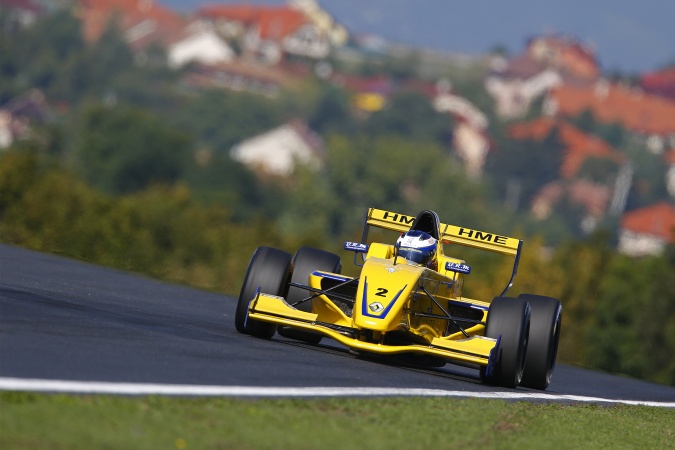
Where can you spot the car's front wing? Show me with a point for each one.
(475, 350)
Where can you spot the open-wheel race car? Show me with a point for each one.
(407, 300)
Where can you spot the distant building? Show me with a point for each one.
(21, 13)
(647, 231)
(648, 116)
(143, 22)
(470, 139)
(595, 198)
(269, 33)
(578, 146)
(199, 42)
(276, 152)
(661, 82)
(19, 114)
(574, 60)
(547, 62)
(669, 158)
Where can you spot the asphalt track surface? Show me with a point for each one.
(62, 319)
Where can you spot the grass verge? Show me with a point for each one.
(29, 421)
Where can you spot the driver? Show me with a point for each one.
(418, 247)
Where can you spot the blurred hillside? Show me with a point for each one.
(630, 37)
(175, 143)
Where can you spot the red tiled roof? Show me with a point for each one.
(274, 22)
(578, 145)
(656, 220)
(661, 82)
(569, 54)
(636, 111)
(95, 15)
(522, 66)
(593, 197)
(665, 76)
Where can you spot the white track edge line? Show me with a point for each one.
(94, 387)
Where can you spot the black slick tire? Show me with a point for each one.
(268, 270)
(306, 261)
(509, 321)
(543, 340)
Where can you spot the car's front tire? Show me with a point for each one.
(543, 340)
(509, 321)
(306, 261)
(268, 270)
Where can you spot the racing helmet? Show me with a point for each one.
(418, 247)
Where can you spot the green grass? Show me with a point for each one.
(42, 421)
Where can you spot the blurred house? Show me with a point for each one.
(661, 82)
(575, 61)
(143, 22)
(322, 20)
(278, 151)
(647, 231)
(470, 138)
(269, 34)
(21, 13)
(594, 197)
(547, 62)
(18, 116)
(645, 115)
(669, 159)
(199, 42)
(578, 146)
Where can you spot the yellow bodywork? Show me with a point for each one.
(474, 350)
(396, 296)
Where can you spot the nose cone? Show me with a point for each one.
(383, 292)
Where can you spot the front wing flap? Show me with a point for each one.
(475, 350)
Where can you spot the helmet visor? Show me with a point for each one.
(415, 255)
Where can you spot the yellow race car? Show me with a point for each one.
(407, 300)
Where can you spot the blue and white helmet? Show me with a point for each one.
(417, 246)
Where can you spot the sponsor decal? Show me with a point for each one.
(481, 236)
(400, 218)
(376, 307)
(458, 267)
(356, 247)
(381, 313)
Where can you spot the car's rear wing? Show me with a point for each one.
(449, 234)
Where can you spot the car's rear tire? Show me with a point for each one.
(268, 270)
(543, 340)
(306, 261)
(509, 320)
